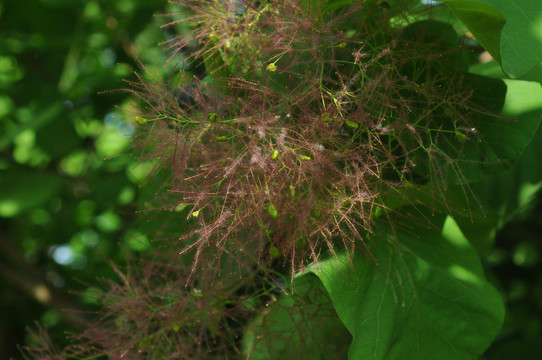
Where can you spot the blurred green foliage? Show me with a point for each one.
(67, 188)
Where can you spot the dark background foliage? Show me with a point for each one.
(64, 208)
(69, 194)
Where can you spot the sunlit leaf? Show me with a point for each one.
(498, 141)
(427, 298)
(521, 39)
(483, 20)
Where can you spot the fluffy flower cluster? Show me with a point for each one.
(313, 119)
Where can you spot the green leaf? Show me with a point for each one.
(498, 142)
(512, 192)
(272, 211)
(521, 38)
(24, 189)
(483, 20)
(426, 299)
(300, 325)
(520, 45)
(522, 111)
(472, 213)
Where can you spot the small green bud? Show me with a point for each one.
(274, 154)
(213, 37)
(377, 212)
(221, 138)
(141, 120)
(180, 207)
(274, 252)
(272, 211)
(212, 116)
(460, 136)
(351, 124)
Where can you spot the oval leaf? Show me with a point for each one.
(521, 38)
(427, 300)
(300, 325)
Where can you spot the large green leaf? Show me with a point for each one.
(522, 112)
(483, 20)
(503, 117)
(513, 191)
(499, 141)
(521, 39)
(518, 47)
(427, 297)
(472, 212)
(300, 325)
